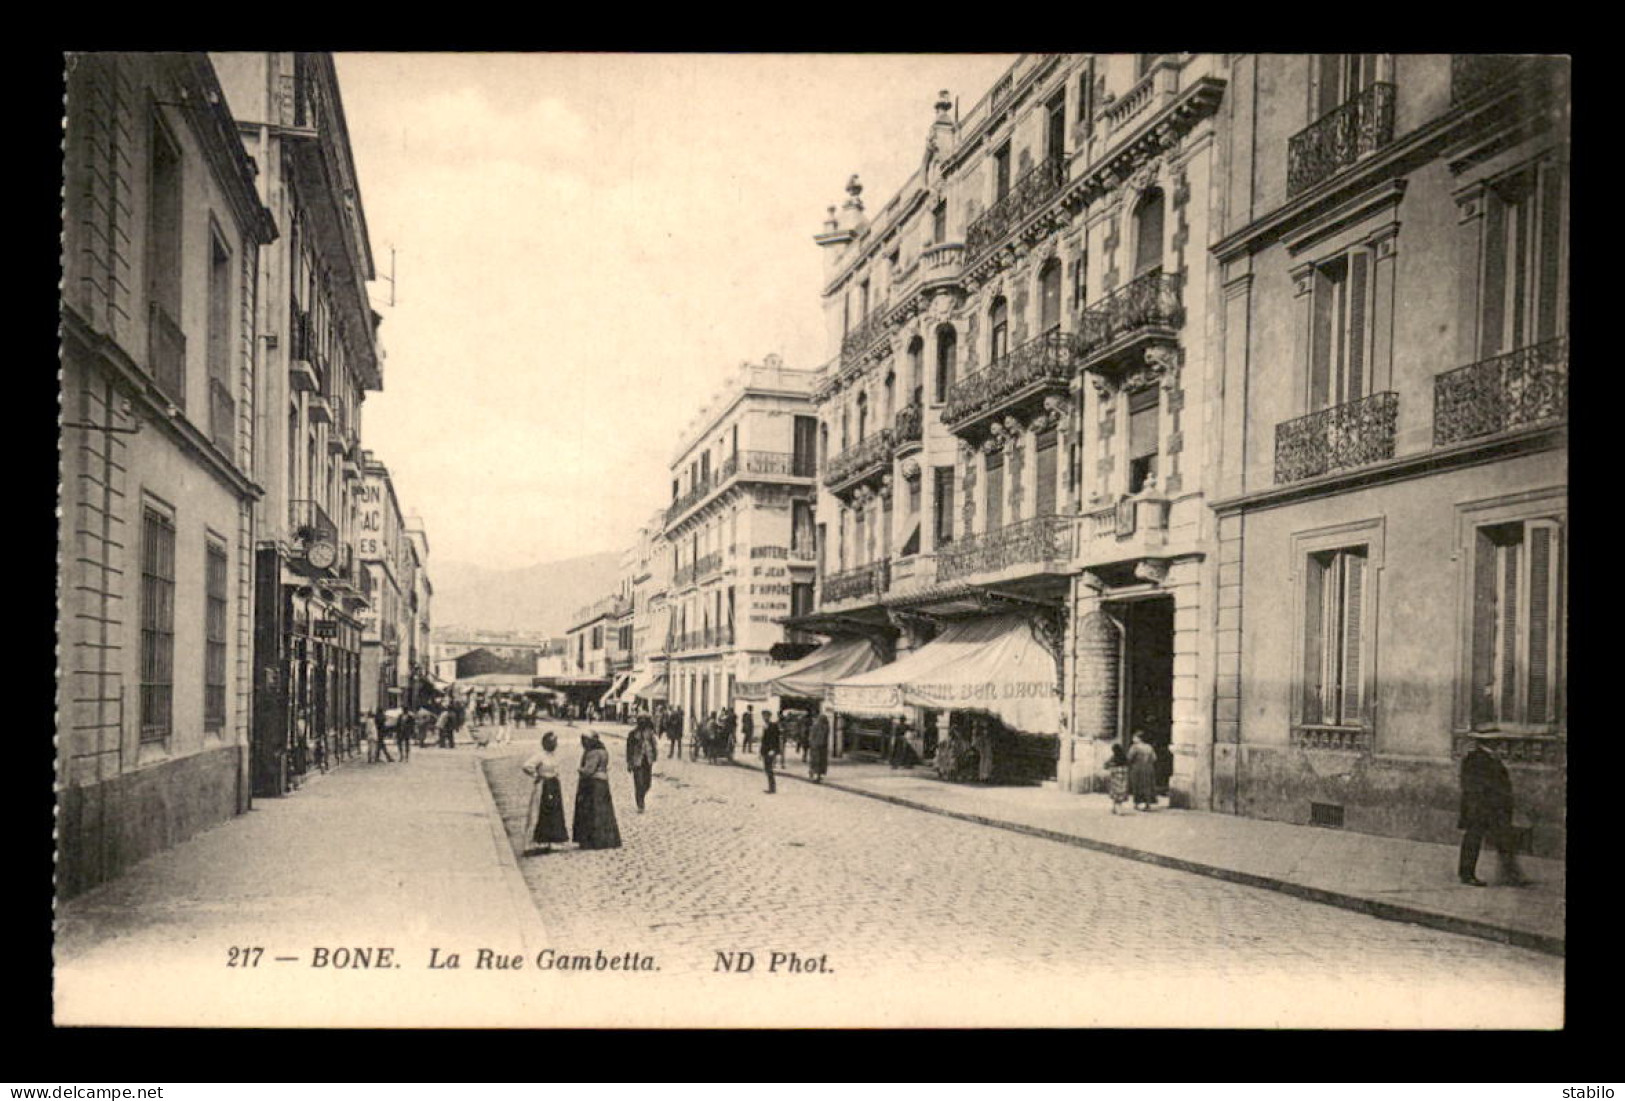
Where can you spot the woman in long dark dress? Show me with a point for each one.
(1142, 772)
(545, 824)
(594, 826)
(818, 757)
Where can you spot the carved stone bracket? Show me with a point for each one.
(911, 468)
(1154, 570)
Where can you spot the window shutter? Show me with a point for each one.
(1484, 609)
(1354, 382)
(1142, 423)
(1543, 604)
(1353, 684)
(1320, 340)
(1313, 639)
(995, 491)
(1549, 320)
(1044, 476)
(1509, 631)
(1495, 265)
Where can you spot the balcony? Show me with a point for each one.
(710, 564)
(941, 266)
(864, 459)
(1335, 141)
(1354, 434)
(308, 520)
(222, 416)
(318, 410)
(1039, 367)
(1042, 544)
(302, 374)
(689, 499)
(1142, 309)
(749, 464)
(862, 338)
(1031, 193)
(710, 638)
(1522, 389)
(865, 582)
(909, 425)
(166, 355)
(1132, 528)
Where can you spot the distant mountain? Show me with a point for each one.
(540, 598)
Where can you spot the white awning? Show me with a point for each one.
(993, 664)
(812, 675)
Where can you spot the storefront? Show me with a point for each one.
(803, 685)
(985, 691)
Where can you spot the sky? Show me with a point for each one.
(585, 247)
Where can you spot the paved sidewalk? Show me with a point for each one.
(409, 857)
(1386, 877)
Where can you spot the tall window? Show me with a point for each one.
(939, 222)
(1148, 233)
(860, 538)
(166, 341)
(947, 360)
(1001, 172)
(1142, 439)
(157, 625)
(863, 417)
(942, 506)
(1049, 297)
(911, 545)
(1080, 281)
(995, 490)
(998, 326)
(1517, 617)
(801, 528)
(804, 456)
(863, 300)
(1524, 287)
(1055, 127)
(1143, 64)
(214, 638)
(1340, 340)
(889, 411)
(1341, 77)
(1335, 614)
(219, 343)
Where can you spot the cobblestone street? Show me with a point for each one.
(894, 899)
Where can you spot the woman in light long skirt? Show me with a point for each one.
(544, 825)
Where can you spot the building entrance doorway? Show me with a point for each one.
(1148, 676)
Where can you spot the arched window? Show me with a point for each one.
(846, 429)
(1148, 233)
(889, 409)
(947, 359)
(863, 417)
(1049, 296)
(998, 330)
(916, 370)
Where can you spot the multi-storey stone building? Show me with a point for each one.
(1016, 452)
(321, 351)
(739, 532)
(1392, 475)
(380, 547)
(651, 575)
(162, 390)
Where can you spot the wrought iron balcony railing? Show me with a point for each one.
(702, 487)
(708, 565)
(782, 464)
(908, 427)
(1030, 194)
(1151, 301)
(860, 460)
(166, 354)
(307, 520)
(1339, 138)
(1520, 389)
(871, 580)
(1045, 542)
(222, 416)
(1342, 437)
(1052, 358)
(862, 338)
(705, 639)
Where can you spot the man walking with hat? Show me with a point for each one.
(1486, 811)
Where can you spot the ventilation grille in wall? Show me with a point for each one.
(1329, 815)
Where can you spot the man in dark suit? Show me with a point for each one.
(747, 727)
(1486, 811)
(642, 750)
(772, 744)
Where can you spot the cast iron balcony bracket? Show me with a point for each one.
(1520, 389)
(1047, 363)
(1342, 136)
(1342, 437)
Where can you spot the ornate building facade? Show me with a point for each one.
(1012, 420)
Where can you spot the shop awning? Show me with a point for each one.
(495, 680)
(812, 675)
(992, 663)
(654, 690)
(615, 690)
